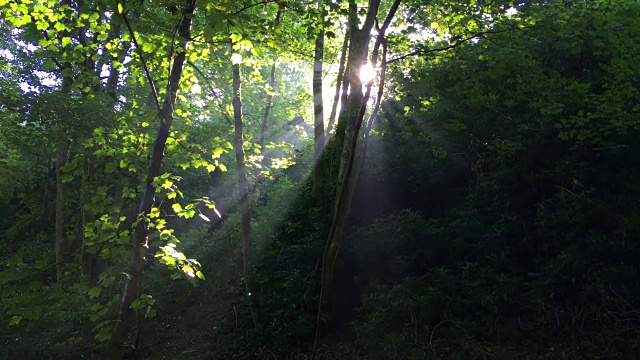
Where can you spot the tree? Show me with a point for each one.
(243, 188)
(133, 286)
(351, 120)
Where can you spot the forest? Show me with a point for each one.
(294, 179)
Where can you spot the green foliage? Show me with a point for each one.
(522, 263)
(501, 171)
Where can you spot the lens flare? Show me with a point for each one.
(367, 73)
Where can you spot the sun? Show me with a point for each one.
(367, 73)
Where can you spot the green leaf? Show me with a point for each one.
(59, 26)
(15, 320)
(235, 37)
(66, 178)
(176, 207)
(136, 304)
(95, 291)
(148, 47)
(49, 64)
(167, 184)
(217, 152)
(67, 72)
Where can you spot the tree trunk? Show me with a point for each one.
(62, 148)
(269, 92)
(243, 187)
(343, 196)
(62, 245)
(134, 281)
(318, 111)
(352, 118)
(45, 191)
(340, 84)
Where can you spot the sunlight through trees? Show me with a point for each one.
(361, 179)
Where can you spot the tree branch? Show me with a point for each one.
(454, 45)
(173, 44)
(211, 89)
(144, 62)
(247, 7)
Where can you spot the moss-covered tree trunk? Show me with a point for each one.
(351, 118)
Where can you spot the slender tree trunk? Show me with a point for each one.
(318, 110)
(62, 245)
(243, 187)
(340, 84)
(267, 108)
(87, 260)
(367, 132)
(62, 148)
(134, 281)
(45, 191)
(269, 92)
